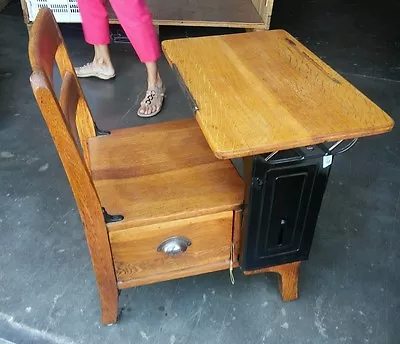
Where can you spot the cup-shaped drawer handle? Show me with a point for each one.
(174, 245)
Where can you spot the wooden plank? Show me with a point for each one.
(217, 13)
(135, 250)
(264, 9)
(264, 91)
(161, 172)
(189, 272)
(267, 14)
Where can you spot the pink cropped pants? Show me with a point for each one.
(134, 17)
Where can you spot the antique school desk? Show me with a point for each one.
(157, 203)
(264, 97)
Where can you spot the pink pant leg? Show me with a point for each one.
(94, 21)
(136, 20)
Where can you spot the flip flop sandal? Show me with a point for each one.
(154, 96)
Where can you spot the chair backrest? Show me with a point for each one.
(70, 124)
(47, 47)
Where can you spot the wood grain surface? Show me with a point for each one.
(187, 272)
(135, 250)
(46, 46)
(288, 279)
(161, 172)
(264, 91)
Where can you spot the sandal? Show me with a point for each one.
(154, 97)
(93, 69)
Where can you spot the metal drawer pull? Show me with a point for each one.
(175, 245)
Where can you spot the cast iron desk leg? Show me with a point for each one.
(283, 196)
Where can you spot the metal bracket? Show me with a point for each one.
(111, 218)
(270, 155)
(322, 146)
(100, 132)
(344, 149)
(185, 89)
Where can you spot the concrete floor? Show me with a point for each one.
(349, 289)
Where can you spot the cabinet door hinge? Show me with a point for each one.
(111, 218)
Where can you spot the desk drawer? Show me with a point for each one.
(137, 252)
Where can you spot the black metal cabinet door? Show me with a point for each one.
(282, 208)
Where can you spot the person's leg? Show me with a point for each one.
(153, 76)
(96, 31)
(136, 20)
(154, 97)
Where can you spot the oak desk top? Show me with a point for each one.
(264, 91)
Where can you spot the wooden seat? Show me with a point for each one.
(161, 172)
(179, 206)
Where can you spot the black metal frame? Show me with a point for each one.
(283, 197)
(108, 218)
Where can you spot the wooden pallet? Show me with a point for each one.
(254, 14)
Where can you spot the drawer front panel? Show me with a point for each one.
(137, 252)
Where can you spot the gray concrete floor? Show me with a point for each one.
(349, 289)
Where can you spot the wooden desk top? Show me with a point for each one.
(264, 91)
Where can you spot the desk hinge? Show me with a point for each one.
(100, 132)
(111, 218)
(331, 150)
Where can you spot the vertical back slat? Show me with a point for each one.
(44, 41)
(69, 98)
(46, 46)
(74, 107)
(84, 118)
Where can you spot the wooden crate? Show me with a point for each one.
(248, 14)
(264, 9)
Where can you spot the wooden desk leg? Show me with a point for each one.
(288, 279)
(109, 306)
